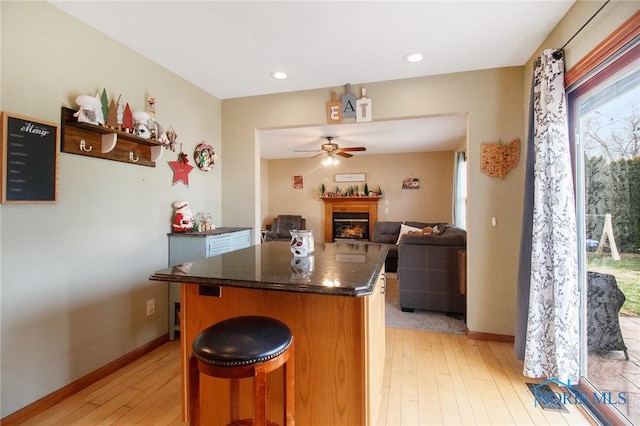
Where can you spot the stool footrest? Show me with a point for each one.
(249, 422)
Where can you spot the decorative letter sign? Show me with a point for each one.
(348, 103)
(334, 110)
(363, 108)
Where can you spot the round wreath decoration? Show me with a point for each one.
(204, 156)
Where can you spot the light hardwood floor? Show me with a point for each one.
(429, 379)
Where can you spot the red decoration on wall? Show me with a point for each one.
(181, 169)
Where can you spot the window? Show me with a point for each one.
(604, 118)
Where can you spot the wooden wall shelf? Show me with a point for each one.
(110, 144)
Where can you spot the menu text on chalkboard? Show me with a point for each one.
(29, 160)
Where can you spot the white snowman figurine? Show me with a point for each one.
(141, 124)
(89, 111)
(183, 219)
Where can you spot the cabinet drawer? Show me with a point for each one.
(217, 245)
(239, 240)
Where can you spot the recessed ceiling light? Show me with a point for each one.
(413, 57)
(279, 75)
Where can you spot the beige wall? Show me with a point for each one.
(74, 276)
(430, 203)
(493, 100)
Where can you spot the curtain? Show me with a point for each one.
(524, 267)
(552, 343)
(460, 190)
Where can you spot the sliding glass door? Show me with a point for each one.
(604, 111)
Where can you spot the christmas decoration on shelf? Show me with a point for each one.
(127, 119)
(105, 103)
(350, 191)
(183, 220)
(100, 111)
(181, 169)
(112, 115)
(204, 156)
(171, 138)
(89, 111)
(141, 124)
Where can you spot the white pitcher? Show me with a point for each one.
(302, 242)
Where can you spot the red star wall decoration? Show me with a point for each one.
(181, 169)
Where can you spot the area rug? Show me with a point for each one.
(418, 320)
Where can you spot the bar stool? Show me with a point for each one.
(246, 346)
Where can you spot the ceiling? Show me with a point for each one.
(434, 133)
(230, 48)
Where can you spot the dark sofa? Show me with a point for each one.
(387, 232)
(432, 271)
(281, 225)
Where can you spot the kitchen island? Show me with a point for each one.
(333, 302)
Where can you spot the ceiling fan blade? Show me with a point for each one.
(307, 150)
(344, 154)
(317, 155)
(356, 148)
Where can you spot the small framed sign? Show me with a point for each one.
(350, 177)
(298, 182)
(28, 160)
(411, 183)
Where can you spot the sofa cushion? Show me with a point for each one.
(421, 225)
(404, 230)
(386, 232)
(435, 240)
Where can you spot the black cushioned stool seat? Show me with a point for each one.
(247, 346)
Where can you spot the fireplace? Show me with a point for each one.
(356, 217)
(352, 226)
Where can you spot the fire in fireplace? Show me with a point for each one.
(354, 226)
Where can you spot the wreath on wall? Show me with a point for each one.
(204, 156)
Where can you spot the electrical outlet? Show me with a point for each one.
(151, 307)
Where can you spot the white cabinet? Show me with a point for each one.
(193, 246)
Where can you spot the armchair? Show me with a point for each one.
(281, 226)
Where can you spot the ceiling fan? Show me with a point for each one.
(331, 149)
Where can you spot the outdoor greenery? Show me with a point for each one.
(627, 273)
(614, 188)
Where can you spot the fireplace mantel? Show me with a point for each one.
(348, 205)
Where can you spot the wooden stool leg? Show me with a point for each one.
(260, 392)
(234, 399)
(194, 392)
(290, 389)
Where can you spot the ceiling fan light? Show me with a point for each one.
(330, 161)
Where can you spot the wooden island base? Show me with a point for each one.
(339, 352)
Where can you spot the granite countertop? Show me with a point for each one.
(217, 231)
(343, 269)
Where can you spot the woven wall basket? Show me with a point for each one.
(497, 159)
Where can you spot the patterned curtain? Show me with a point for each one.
(552, 344)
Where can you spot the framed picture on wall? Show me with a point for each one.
(411, 183)
(350, 177)
(298, 182)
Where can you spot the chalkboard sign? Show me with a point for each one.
(29, 160)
